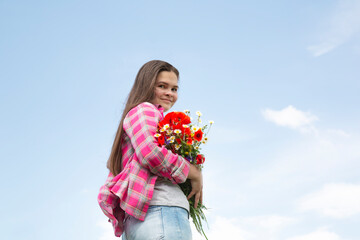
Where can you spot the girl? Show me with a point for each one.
(141, 197)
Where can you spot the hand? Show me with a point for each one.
(196, 179)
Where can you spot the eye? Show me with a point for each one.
(174, 89)
(161, 86)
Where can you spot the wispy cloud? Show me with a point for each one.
(224, 228)
(343, 24)
(337, 132)
(333, 200)
(305, 160)
(291, 117)
(320, 234)
(227, 134)
(248, 228)
(107, 232)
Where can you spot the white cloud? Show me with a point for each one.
(343, 24)
(107, 232)
(247, 228)
(334, 200)
(338, 132)
(291, 117)
(269, 224)
(314, 157)
(311, 160)
(320, 234)
(324, 47)
(226, 134)
(84, 191)
(224, 228)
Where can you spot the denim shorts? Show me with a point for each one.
(161, 222)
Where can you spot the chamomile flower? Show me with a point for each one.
(199, 113)
(172, 138)
(194, 128)
(177, 131)
(166, 126)
(185, 126)
(162, 130)
(177, 146)
(157, 135)
(211, 122)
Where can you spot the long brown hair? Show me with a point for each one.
(142, 91)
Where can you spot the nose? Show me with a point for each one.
(169, 93)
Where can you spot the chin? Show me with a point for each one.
(166, 108)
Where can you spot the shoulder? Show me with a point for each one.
(147, 109)
(144, 114)
(148, 105)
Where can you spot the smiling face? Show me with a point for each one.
(166, 90)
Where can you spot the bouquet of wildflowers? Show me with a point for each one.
(177, 133)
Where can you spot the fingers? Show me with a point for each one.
(196, 192)
(197, 197)
(190, 195)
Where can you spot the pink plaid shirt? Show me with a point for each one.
(143, 161)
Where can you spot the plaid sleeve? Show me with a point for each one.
(140, 124)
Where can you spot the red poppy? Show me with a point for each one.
(187, 131)
(198, 135)
(176, 126)
(189, 141)
(161, 140)
(176, 119)
(167, 119)
(160, 125)
(182, 118)
(200, 159)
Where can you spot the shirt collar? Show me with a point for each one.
(160, 108)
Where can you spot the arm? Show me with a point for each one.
(140, 124)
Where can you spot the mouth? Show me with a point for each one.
(167, 100)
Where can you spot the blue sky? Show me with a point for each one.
(280, 79)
